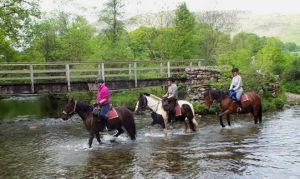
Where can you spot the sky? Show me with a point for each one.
(90, 8)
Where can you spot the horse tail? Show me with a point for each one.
(130, 125)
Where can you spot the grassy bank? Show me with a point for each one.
(126, 98)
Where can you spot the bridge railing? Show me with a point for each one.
(33, 73)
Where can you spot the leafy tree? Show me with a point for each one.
(271, 58)
(16, 17)
(248, 41)
(141, 43)
(184, 43)
(111, 15)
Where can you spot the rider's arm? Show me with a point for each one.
(172, 92)
(238, 83)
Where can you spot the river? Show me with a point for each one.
(41, 145)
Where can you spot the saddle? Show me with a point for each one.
(112, 113)
(177, 110)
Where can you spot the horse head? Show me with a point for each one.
(207, 98)
(142, 103)
(70, 109)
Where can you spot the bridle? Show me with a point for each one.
(73, 111)
(145, 106)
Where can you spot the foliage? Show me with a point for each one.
(16, 17)
(111, 15)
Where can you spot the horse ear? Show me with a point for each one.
(147, 94)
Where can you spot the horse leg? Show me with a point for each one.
(221, 121)
(228, 119)
(120, 131)
(91, 139)
(185, 126)
(98, 138)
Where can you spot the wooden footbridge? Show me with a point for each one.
(36, 78)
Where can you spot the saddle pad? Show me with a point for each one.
(244, 97)
(112, 114)
(178, 110)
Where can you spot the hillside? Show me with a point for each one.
(284, 27)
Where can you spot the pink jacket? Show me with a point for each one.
(103, 93)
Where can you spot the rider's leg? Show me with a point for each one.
(238, 102)
(103, 114)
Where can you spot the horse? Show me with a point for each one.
(94, 125)
(159, 115)
(250, 101)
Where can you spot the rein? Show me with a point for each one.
(73, 111)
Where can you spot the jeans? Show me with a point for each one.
(238, 95)
(103, 111)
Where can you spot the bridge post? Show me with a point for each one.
(169, 70)
(161, 69)
(68, 76)
(99, 69)
(135, 74)
(31, 78)
(102, 71)
(129, 71)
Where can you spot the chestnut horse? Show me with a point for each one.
(251, 103)
(94, 125)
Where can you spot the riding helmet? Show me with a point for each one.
(235, 70)
(99, 80)
(171, 79)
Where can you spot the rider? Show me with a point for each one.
(103, 100)
(171, 99)
(236, 87)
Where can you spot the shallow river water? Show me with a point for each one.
(53, 148)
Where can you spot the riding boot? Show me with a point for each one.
(239, 107)
(107, 123)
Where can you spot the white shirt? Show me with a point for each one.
(236, 84)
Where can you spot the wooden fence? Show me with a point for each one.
(33, 73)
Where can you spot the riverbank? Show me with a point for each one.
(292, 98)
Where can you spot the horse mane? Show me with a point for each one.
(219, 94)
(155, 97)
(84, 107)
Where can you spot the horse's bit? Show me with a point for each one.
(73, 111)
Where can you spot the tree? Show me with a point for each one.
(272, 58)
(16, 17)
(184, 42)
(111, 15)
(141, 42)
(217, 22)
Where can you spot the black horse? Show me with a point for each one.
(159, 115)
(94, 126)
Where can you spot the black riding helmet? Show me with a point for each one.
(171, 79)
(235, 70)
(99, 80)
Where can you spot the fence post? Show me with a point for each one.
(99, 69)
(135, 74)
(129, 70)
(68, 76)
(169, 70)
(191, 64)
(102, 71)
(199, 63)
(161, 69)
(31, 78)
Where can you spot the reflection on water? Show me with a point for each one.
(52, 148)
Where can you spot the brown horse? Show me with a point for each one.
(94, 126)
(251, 103)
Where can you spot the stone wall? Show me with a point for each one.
(198, 81)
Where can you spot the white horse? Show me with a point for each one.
(160, 116)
